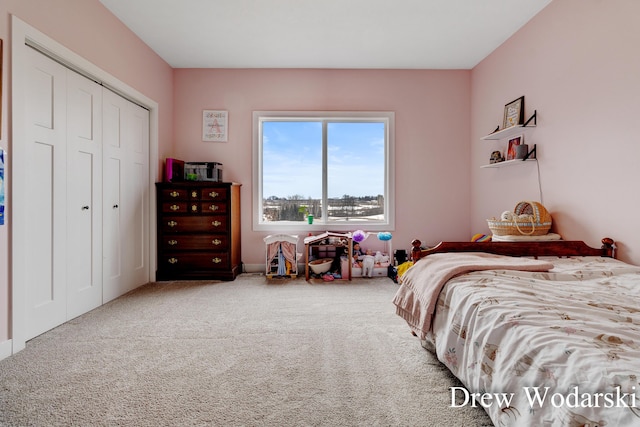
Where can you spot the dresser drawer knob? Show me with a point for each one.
(172, 223)
(216, 260)
(213, 194)
(175, 207)
(172, 260)
(216, 223)
(214, 207)
(172, 242)
(194, 208)
(174, 194)
(216, 242)
(194, 194)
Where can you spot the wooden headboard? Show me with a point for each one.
(531, 249)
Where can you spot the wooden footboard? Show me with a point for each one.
(532, 249)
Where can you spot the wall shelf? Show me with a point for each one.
(513, 130)
(507, 163)
(510, 132)
(507, 133)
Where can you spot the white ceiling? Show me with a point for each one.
(401, 34)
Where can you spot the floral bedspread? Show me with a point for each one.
(557, 348)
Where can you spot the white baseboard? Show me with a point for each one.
(262, 268)
(253, 268)
(6, 349)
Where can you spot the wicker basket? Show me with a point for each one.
(536, 223)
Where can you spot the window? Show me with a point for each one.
(334, 166)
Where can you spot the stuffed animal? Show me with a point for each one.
(381, 259)
(496, 157)
(368, 261)
(506, 216)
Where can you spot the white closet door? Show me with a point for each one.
(42, 202)
(137, 231)
(126, 168)
(84, 195)
(112, 106)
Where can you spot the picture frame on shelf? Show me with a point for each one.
(513, 113)
(511, 149)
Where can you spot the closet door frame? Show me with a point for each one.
(23, 33)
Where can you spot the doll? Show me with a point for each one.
(368, 261)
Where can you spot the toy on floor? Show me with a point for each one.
(368, 261)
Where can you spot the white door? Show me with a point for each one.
(125, 188)
(43, 197)
(137, 226)
(84, 195)
(63, 195)
(54, 247)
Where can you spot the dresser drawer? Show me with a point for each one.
(204, 193)
(214, 193)
(194, 207)
(213, 207)
(207, 193)
(174, 194)
(175, 207)
(194, 261)
(187, 242)
(195, 224)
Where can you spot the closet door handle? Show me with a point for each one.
(85, 208)
(115, 206)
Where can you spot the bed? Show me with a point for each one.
(539, 334)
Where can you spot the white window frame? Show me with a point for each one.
(388, 117)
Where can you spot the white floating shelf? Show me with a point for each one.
(507, 163)
(508, 132)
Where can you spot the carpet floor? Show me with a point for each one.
(251, 352)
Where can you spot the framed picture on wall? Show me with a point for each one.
(215, 125)
(0, 89)
(511, 149)
(513, 113)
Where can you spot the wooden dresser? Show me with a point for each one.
(198, 230)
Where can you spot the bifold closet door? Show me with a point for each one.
(84, 195)
(43, 196)
(63, 195)
(84, 203)
(126, 193)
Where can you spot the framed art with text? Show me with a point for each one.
(513, 113)
(215, 125)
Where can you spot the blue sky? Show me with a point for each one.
(292, 159)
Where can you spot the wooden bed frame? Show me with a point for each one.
(532, 249)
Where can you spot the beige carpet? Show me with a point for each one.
(241, 353)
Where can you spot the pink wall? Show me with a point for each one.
(577, 63)
(91, 31)
(432, 134)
